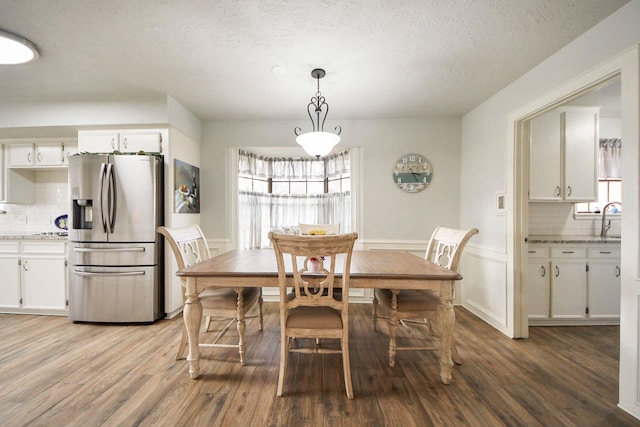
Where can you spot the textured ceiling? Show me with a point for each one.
(384, 58)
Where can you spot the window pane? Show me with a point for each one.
(582, 207)
(244, 184)
(260, 186)
(298, 187)
(280, 187)
(615, 191)
(315, 187)
(334, 186)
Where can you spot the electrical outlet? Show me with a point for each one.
(22, 219)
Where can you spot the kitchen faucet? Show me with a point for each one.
(604, 228)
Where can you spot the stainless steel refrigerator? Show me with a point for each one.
(115, 254)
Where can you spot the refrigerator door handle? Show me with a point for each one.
(136, 249)
(113, 198)
(103, 217)
(124, 273)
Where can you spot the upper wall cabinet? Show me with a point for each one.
(124, 141)
(563, 155)
(39, 153)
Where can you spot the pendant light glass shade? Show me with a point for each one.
(318, 144)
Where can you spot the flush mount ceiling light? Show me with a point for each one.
(16, 50)
(318, 143)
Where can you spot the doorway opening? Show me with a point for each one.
(602, 91)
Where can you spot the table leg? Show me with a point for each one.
(393, 327)
(447, 320)
(240, 324)
(192, 314)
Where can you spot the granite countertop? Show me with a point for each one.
(573, 239)
(34, 236)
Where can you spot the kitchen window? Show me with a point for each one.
(610, 178)
(278, 192)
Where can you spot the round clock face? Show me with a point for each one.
(412, 173)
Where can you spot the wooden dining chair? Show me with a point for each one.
(418, 306)
(189, 247)
(311, 311)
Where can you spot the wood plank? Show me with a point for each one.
(54, 372)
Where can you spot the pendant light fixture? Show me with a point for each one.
(16, 50)
(317, 143)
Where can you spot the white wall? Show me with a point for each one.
(484, 142)
(391, 217)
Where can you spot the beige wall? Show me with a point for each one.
(390, 215)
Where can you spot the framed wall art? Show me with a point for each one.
(187, 188)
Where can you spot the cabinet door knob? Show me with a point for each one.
(557, 271)
(558, 191)
(543, 270)
(617, 271)
(568, 190)
(25, 265)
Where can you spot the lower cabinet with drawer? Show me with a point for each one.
(34, 277)
(570, 284)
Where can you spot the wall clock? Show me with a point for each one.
(412, 173)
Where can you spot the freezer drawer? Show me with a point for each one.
(113, 254)
(114, 294)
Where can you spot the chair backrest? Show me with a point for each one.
(446, 245)
(319, 229)
(312, 268)
(188, 244)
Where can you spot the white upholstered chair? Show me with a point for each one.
(418, 306)
(189, 247)
(308, 264)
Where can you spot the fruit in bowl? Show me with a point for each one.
(317, 232)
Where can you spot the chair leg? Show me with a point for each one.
(393, 328)
(374, 314)
(183, 344)
(454, 351)
(240, 325)
(260, 318)
(346, 368)
(207, 324)
(284, 354)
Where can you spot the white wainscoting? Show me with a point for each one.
(484, 288)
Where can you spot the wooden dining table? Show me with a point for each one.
(390, 269)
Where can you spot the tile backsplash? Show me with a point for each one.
(557, 219)
(51, 201)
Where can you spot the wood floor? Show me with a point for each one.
(56, 373)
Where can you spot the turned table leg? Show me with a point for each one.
(192, 315)
(447, 318)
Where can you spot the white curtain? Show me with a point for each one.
(609, 162)
(261, 212)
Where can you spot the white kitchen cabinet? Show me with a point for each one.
(69, 149)
(124, 141)
(10, 283)
(562, 157)
(568, 289)
(39, 285)
(570, 284)
(603, 281)
(21, 154)
(45, 152)
(16, 185)
(538, 283)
